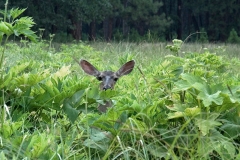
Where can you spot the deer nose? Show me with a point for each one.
(106, 87)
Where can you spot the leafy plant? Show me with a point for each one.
(170, 107)
(15, 26)
(175, 47)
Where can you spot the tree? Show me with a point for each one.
(233, 37)
(114, 13)
(95, 12)
(222, 18)
(165, 18)
(145, 15)
(179, 14)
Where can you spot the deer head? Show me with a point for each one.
(108, 78)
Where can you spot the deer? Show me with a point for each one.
(108, 78)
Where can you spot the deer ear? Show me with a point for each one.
(89, 68)
(126, 68)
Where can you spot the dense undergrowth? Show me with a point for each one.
(176, 104)
(171, 107)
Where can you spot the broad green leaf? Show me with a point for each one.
(6, 80)
(24, 21)
(205, 125)
(231, 130)
(202, 87)
(215, 141)
(16, 12)
(77, 96)
(188, 81)
(178, 71)
(69, 109)
(231, 124)
(225, 149)
(191, 79)
(177, 107)
(191, 112)
(32, 37)
(181, 85)
(209, 98)
(93, 93)
(106, 95)
(6, 28)
(175, 115)
(228, 103)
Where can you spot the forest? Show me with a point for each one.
(133, 20)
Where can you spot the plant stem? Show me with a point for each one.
(2, 57)
(4, 45)
(5, 14)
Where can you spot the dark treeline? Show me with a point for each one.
(133, 20)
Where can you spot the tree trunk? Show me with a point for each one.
(125, 28)
(140, 28)
(92, 31)
(105, 29)
(179, 14)
(77, 30)
(110, 28)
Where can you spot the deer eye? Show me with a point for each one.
(115, 79)
(99, 78)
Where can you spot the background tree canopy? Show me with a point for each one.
(132, 20)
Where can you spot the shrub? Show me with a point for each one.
(233, 37)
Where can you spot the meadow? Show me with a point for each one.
(180, 102)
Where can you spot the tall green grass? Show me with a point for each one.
(159, 112)
(154, 50)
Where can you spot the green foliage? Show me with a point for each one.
(143, 14)
(170, 107)
(134, 36)
(21, 26)
(233, 37)
(175, 47)
(71, 19)
(203, 36)
(14, 26)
